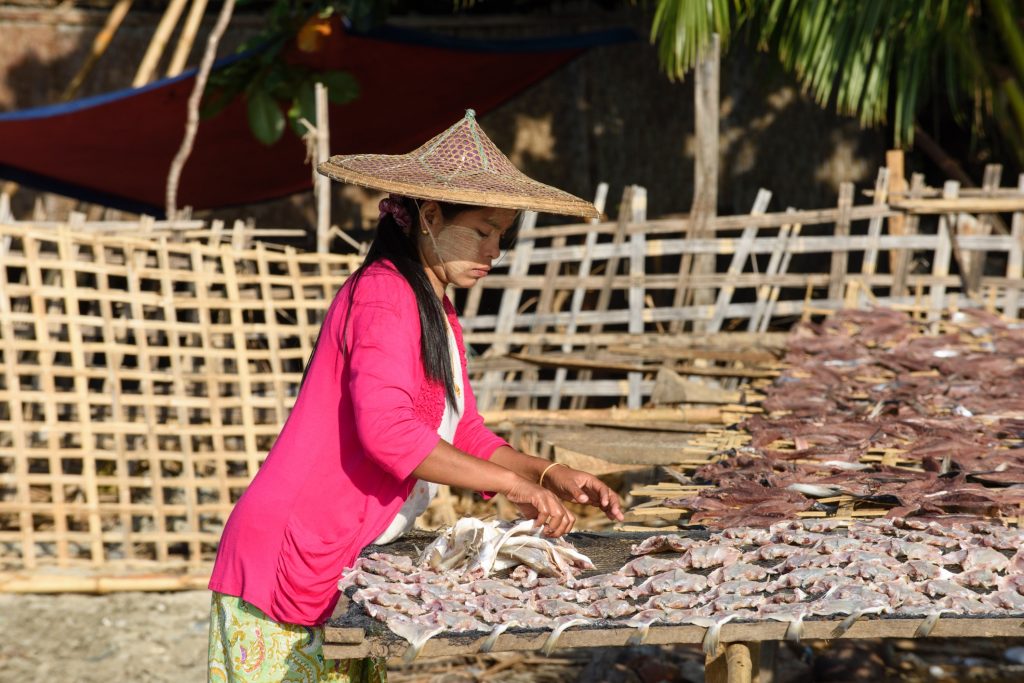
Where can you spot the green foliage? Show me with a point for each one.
(268, 83)
(883, 61)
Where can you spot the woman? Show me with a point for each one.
(384, 413)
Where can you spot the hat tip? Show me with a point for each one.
(470, 113)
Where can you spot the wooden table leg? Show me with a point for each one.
(739, 664)
(731, 664)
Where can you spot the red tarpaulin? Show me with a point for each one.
(116, 149)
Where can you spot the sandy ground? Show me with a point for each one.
(161, 638)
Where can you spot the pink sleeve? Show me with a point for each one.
(384, 355)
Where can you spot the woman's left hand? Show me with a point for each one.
(581, 487)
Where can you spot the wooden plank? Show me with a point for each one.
(814, 629)
(738, 263)
(960, 205)
(874, 233)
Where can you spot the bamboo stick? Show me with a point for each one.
(150, 60)
(187, 38)
(99, 46)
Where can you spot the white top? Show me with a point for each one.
(424, 491)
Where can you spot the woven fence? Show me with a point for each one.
(142, 382)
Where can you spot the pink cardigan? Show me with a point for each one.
(341, 467)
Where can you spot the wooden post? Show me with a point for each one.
(733, 663)
(638, 248)
(897, 224)
(943, 254)
(188, 37)
(1015, 261)
(840, 257)
(99, 45)
(323, 183)
(147, 67)
(705, 183)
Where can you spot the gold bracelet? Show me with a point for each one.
(540, 482)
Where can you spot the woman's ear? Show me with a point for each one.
(429, 214)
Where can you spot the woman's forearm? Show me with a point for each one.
(526, 466)
(446, 464)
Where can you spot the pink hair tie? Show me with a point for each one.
(395, 207)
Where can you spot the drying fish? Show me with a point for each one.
(649, 566)
(586, 595)
(609, 608)
(793, 614)
(854, 608)
(740, 570)
(675, 581)
(921, 570)
(663, 543)
(710, 556)
(978, 558)
(417, 632)
(673, 601)
(556, 608)
(774, 551)
(746, 535)
(559, 627)
(713, 624)
(555, 592)
(488, 586)
(1006, 600)
(614, 580)
(642, 622)
(739, 587)
(977, 578)
(514, 618)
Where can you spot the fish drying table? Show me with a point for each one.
(354, 634)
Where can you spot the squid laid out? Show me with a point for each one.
(472, 546)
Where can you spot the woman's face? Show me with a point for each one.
(460, 250)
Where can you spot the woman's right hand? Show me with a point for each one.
(540, 505)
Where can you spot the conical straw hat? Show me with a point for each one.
(460, 165)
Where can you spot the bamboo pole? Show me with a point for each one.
(188, 37)
(99, 46)
(323, 183)
(150, 60)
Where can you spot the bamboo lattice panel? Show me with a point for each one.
(568, 293)
(142, 383)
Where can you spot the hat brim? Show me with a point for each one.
(521, 193)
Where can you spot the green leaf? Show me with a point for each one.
(265, 118)
(341, 86)
(303, 107)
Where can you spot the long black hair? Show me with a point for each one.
(398, 245)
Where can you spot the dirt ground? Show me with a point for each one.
(161, 638)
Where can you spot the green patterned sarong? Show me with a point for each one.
(246, 646)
